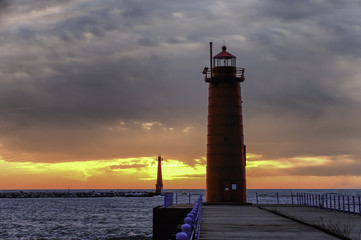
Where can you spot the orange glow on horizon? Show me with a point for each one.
(128, 173)
(140, 173)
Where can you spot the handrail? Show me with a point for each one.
(327, 201)
(192, 223)
(332, 202)
(239, 73)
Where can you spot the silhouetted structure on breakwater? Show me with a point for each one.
(159, 184)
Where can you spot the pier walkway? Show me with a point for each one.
(258, 222)
(344, 224)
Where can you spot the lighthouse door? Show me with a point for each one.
(226, 191)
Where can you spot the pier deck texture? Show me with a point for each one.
(250, 222)
(345, 224)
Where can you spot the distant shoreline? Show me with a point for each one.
(77, 194)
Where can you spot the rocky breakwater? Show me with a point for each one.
(73, 194)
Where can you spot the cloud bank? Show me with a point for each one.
(86, 80)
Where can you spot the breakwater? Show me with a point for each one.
(77, 194)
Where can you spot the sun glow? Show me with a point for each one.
(116, 173)
(141, 173)
(255, 161)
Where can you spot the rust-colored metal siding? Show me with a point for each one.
(226, 180)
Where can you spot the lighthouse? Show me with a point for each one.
(159, 184)
(226, 151)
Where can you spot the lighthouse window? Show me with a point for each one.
(224, 62)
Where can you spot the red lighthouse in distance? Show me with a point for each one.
(159, 184)
(226, 152)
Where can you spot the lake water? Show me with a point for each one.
(103, 218)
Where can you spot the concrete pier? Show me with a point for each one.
(333, 221)
(251, 222)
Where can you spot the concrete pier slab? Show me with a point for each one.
(344, 224)
(250, 222)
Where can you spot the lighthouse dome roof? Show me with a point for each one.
(224, 54)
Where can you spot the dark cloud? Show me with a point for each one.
(295, 11)
(79, 78)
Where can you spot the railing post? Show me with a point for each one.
(359, 206)
(326, 201)
(299, 198)
(256, 198)
(189, 197)
(292, 198)
(313, 200)
(278, 202)
(318, 200)
(339, 203)
(309, 199)
(343, 203)
(304, 198)
(348, 204)
(321, 201)
(176, 198)
(168, 199)
(354, 206)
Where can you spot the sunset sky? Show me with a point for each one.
(91, 91)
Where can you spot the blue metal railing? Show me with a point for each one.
(168, 199)
(192, 223)
(332, 202)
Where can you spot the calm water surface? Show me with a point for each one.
(81, 218)
(77, 218)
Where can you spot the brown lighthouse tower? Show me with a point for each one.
(226, 152)
(159, 184)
